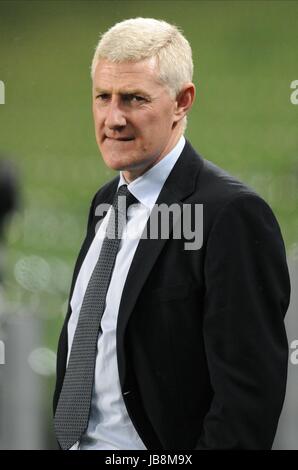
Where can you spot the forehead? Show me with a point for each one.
(127, 75)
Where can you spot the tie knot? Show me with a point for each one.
(123, 190)
(124, 198)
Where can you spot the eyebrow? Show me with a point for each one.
(132, 91)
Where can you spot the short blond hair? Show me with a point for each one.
(137, 39)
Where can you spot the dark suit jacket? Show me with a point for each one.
(201, 345)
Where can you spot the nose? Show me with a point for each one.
(115, 117)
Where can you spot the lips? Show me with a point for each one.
(121, 139)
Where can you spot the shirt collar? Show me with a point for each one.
(146, 188)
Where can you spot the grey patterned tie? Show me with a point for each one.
(72, 413)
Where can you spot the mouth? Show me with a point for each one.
(120, 139)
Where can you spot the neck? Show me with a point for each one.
(132, 174)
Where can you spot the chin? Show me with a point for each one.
(116, 160)
(113, 163)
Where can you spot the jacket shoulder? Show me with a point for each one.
(216, 187)
(104, 194)
(218, 184)
(218, 190)
(106, 191)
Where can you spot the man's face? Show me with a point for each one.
(133, 114)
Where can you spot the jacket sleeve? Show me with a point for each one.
(247, 296)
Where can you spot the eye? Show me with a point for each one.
(133, 98)
(103, 96)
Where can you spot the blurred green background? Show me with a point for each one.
(245, 57)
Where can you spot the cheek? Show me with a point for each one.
(152, 129)
(94, 110)
(161, 120)
(150, 125)
(97, 116)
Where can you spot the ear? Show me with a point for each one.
(184, 100)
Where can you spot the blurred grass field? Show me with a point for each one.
(245, 56)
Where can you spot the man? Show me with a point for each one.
(166, 345)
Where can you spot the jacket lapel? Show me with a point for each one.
(179, 185)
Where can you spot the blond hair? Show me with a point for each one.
(137, 39)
